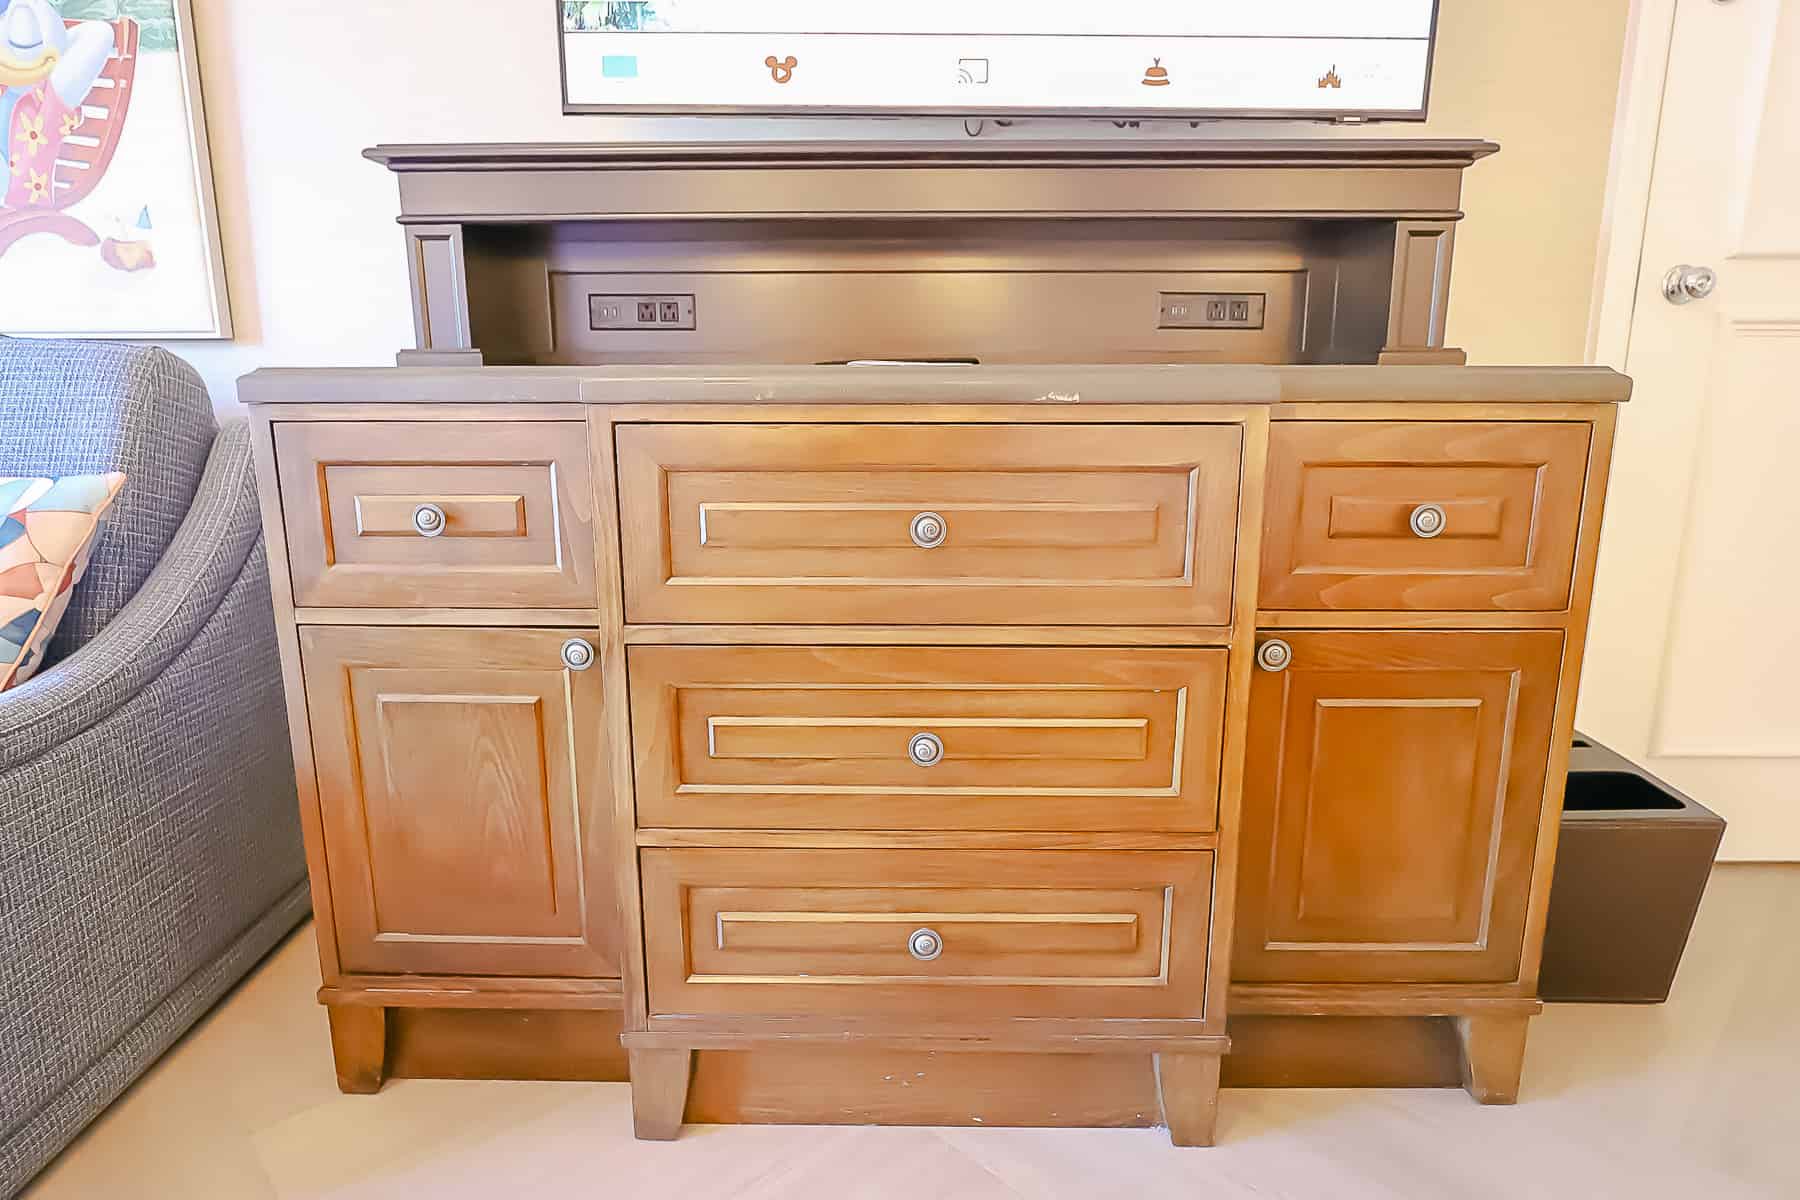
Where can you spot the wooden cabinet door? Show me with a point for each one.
(463, 793)
(1393, 790)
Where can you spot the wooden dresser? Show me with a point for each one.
(1011, 740)
(893, 738)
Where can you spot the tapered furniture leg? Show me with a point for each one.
(1493, 1056)
(659, 1088)
(1189, 1087)
(359, 1046)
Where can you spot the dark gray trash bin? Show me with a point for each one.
(1631, 866)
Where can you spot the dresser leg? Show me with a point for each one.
(359, 1046)
(1493, 1056)
(1189, 1087)
(659, 1088)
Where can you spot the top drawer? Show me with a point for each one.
(438, 514)
(929, 524)
(1451, 516)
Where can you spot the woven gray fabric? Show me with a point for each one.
(149, 829)
(205, 557)
(133, 856)
(70, 408)
(33, 1144)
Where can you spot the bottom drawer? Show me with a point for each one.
(932, 935)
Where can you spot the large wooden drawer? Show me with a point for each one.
(1498, 511)
(438, 514)
(901, 737)
(929, 524)
(1049, 933)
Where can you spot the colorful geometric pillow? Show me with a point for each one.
(47, 530)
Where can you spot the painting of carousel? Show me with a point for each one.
(107, 223)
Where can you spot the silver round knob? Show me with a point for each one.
(577, 655)
(1684, 284)
(925, 749)
(924, 944)
(428, 520)
(1274, 655)
(929, 530)
(1428, 520)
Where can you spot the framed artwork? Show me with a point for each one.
(107, 221)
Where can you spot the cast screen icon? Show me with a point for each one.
(971, 70)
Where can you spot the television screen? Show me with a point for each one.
(1113, 58)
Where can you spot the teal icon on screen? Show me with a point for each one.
(618, 66)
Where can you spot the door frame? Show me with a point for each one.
(1625, 208)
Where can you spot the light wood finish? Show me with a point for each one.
(1341, 494)
(1383, 999)
(616, 719)
(1396, 784)
(827, 931)
(517, 504)
(927, 635)
(293, 691)
(1077, 393)
(359, 1046)
(462, 801)
(1052, 1035)
(1492, 1056)
(1188, 1087)
(1030, 739)
(577, 619)
(1335, 1051)
(472, 992)
(1562, 732)
(659, 1091)
(923, 839)
(516, 1043)
(1044, 525)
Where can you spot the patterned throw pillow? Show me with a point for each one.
(47, 530)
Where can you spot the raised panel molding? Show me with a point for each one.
(1726, 689)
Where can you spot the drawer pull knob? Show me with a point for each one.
(1274, 655)
(925, 749)
(929, 530)
(428, 520)
(1428, 520)
(925, 944)
(577, 654)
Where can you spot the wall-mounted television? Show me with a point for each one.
(1124, 59)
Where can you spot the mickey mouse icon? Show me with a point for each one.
(782, 69)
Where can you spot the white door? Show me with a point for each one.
(1693, 661)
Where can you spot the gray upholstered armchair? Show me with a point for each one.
(149, 835)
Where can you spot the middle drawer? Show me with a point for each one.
(1040, 739)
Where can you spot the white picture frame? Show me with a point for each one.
(133, 252)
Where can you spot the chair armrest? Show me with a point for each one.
(203, 560)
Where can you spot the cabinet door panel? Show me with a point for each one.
(1394, 787)
(460, 778)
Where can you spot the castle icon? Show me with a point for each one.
(1331, 78)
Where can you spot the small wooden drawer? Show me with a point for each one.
(929, 524)
(975, 738)
(1452, 516)
(421, 514)
(940, 935)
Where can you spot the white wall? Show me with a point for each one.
(295, 90)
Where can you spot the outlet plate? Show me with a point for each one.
(641, 312)
(1212, 310)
